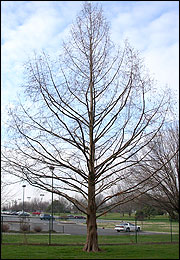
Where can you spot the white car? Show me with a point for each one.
(23, 214)
(127, 227)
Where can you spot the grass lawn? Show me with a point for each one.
(146, 225)
(133, 251)
(126, 217)
(75, 252)
(69, 251)
(66, 239)
(159, 223)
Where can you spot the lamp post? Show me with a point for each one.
(12, 204)
(51, 169)
(29, 203)
(19, 204)
(41, 195)
(23, 197)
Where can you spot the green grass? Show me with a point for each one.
(108, 252)
(118, 216)
(66, 239)
(159, 226)
(132, 251)
(147, 226)
(158, 223)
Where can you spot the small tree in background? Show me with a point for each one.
(163, 157)
(146, 212)
(59, 206)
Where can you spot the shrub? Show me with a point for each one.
(5, 228)
(37, 229)
(24, 227)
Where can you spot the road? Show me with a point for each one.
(71, 227)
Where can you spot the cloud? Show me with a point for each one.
(29, 26)
(35, 32)
(152, 28)
(163, 63)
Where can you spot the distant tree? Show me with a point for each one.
(164, 155)
(140, 215)
(149, 211)
(59, 206)
(7, 193)
(37, 205)
(129, 204)
(87, 114)
(146, 212)
(32, 206)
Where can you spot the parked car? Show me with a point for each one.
(6, 212)
(46, 217)
(24, 214)
(63, 217)
(36, 213)
(80, 217)
(127, 227)
(70, 216)
(14, 213)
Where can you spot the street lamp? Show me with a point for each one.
(12, 204)
(19, 204)
(29, 203)
(23, 197)
(51, 169)
(41, 195)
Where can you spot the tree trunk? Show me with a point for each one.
(92, 236)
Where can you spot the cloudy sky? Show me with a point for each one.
(152, 27)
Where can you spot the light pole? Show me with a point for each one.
(29, 203)
(52, 169)
(19, 204)
(41, 195)
(12, 204)
(23, 197)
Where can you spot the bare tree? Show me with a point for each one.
(87, 113)
(129, 204)
(7, 192)
(5, 197)
(164, 155)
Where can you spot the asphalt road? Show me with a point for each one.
(74, 227)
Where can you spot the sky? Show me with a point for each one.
(152, 27)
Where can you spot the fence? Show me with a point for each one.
(156, 227)
(29, 225)
(162, 230)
